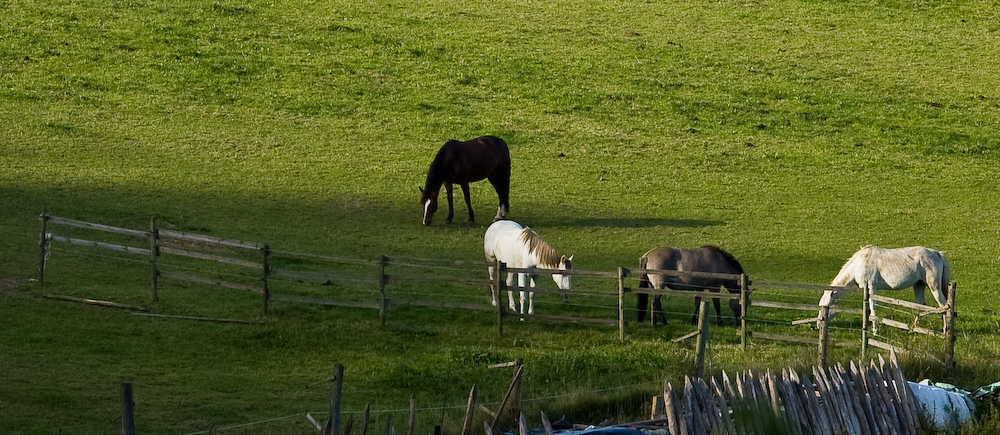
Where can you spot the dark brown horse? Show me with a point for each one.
(465, 162)
(709, 259)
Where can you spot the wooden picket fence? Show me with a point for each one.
(859, 400)
(268, 266)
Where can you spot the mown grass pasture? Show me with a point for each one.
(788, 132)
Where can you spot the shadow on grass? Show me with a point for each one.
(635, 223)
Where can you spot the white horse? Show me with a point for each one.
(875, 268)
(520, 247)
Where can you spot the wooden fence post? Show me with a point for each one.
(866, 320)
(383, 307)
(513, 394)
(154, 254)
(949, 325)
(333, 421)
(621, 303)
(389, 429)
(498, 287)
(702, 338)
(265, 251)
(42, 245)
(364, 420)
(412, 422)
(744, 306)
(470, 409)
(824, 333)
(128, 410)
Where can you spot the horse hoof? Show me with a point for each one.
(470, 223)
(448, 221)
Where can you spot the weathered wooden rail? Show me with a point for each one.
(380, 273)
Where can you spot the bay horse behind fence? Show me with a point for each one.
(465, 162)
(520, 247)
(873, 268)
(707, 259)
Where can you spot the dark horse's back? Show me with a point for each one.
(706, 259)
(472, 160)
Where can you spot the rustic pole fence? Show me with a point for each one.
(744, 306)
(702, 338)
(949, 325)
(411, 423)
(470, 410)
(622, 272)
(511, 402)
(128, 410)
(383, 307)
(333, 421)
(154, 254)
(865, 320)
(156, 248)
(824, 334)
(499, 268)
(42, 246)
(265, 271)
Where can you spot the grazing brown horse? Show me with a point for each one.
(709, 259)
(465, 162)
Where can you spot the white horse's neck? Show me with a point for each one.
(546, 257)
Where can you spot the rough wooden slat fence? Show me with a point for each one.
(381, 274)
(858, 400)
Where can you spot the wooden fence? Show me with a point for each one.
(268, 266)
(858, 400)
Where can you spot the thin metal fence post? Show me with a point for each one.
(498, 287)
(42, 245)
(949, 325)
(265, 252)
(382, 301)
(866, 320)
(154, 254)
(744, 307)
(621, 303)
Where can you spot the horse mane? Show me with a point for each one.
(546, 255)
(433, 182)
(729, 257)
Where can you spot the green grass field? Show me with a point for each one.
(790, 133)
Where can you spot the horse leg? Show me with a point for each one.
(640, 307)
(531, 299)
(493, 291)
(919, 294)
(500, 179)
(468, 202)
(697, 305)
(657, 312)
(734, 305)
(871, 308)
(510, 293)
(451, 209)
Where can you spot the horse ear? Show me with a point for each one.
(421, 189)
(570, 258)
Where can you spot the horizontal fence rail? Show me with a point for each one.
(272, 273)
